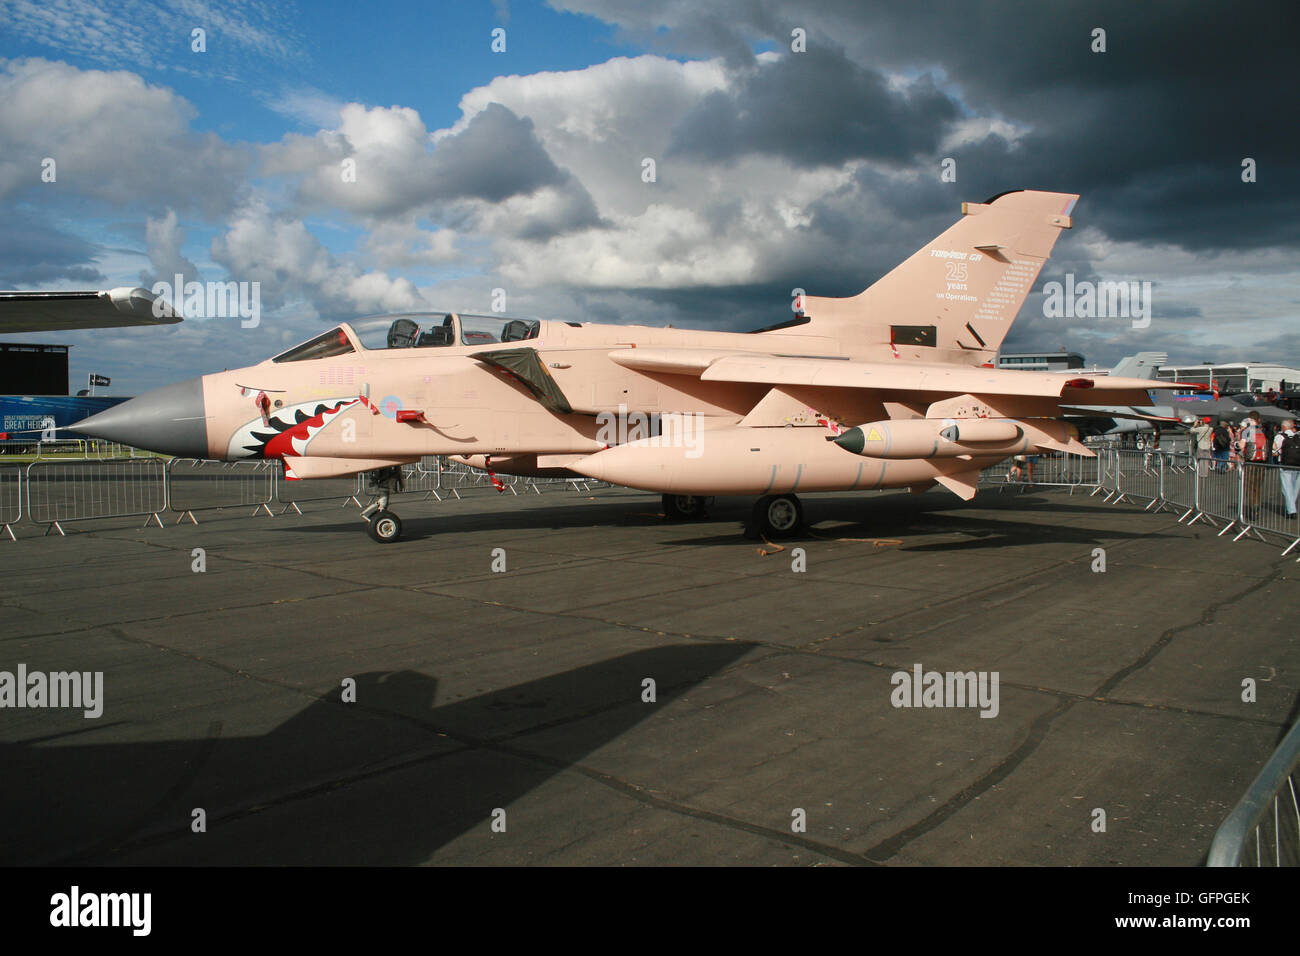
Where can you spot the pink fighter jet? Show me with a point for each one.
(891, 388)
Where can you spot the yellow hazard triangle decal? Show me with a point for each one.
(874, 435)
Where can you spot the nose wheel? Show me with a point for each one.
(384, 526)
(777, 516)
(381, 524)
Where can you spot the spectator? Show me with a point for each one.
(1286, 446)
(1254, 453)
(1222, 445)
(1203, 436)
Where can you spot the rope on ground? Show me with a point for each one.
(878, 542)
(778, 548)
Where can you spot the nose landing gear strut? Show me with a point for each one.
(381, 524)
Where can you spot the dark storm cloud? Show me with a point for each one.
(32, 253)
(495, 157)
(1151, 133)
(498, 156)
(817, 111)
(573, 210)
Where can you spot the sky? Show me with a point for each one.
(521, 169)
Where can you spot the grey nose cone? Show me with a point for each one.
(168, 420)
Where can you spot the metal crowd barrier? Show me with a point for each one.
(1049, 469)
(52, 493)
(195, 485)
(456, 476)
(1264, 827)
(292, 493)
(438, 477)
(1248, 498)
(68, 448)
(11, 500)
(1137, 475)
(59, 492)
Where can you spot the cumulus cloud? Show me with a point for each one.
(290, 262)
(112, 137)
(1153, 130)
(774, 169)
(382, 163)
(163, 239)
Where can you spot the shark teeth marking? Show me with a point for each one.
(296, 421)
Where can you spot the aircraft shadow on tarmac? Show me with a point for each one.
(881, 516)
(904, 517)
(451, 519)
(384, 781)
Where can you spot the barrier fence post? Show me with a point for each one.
(11, 500)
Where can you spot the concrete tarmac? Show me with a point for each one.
(311, 697)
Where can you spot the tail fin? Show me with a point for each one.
(955, 299)
(1142, 365)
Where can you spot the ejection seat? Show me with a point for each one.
(402, 333)
(436, 337)
(516, 331)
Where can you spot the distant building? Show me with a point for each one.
(1041, 361)
(30, 369)
(1234, 377)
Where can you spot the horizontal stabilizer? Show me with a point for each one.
(1141, 413)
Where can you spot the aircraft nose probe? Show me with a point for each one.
(170, 420)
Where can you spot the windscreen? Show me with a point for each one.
(331, 343)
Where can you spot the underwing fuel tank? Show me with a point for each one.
(952, 438)
(760, 461)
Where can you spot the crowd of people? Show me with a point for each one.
(1223, 447)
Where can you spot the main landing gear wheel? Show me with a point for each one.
(686, 507)
(777, 516)
(384, 527)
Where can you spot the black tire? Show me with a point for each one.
(384, 527)
(777, 516)
(685, 507)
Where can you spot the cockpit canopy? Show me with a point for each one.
(415, 330)
(423, 330)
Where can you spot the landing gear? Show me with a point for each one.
(381, 524)
(384, 526)
(686, 507)
(777, 516)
